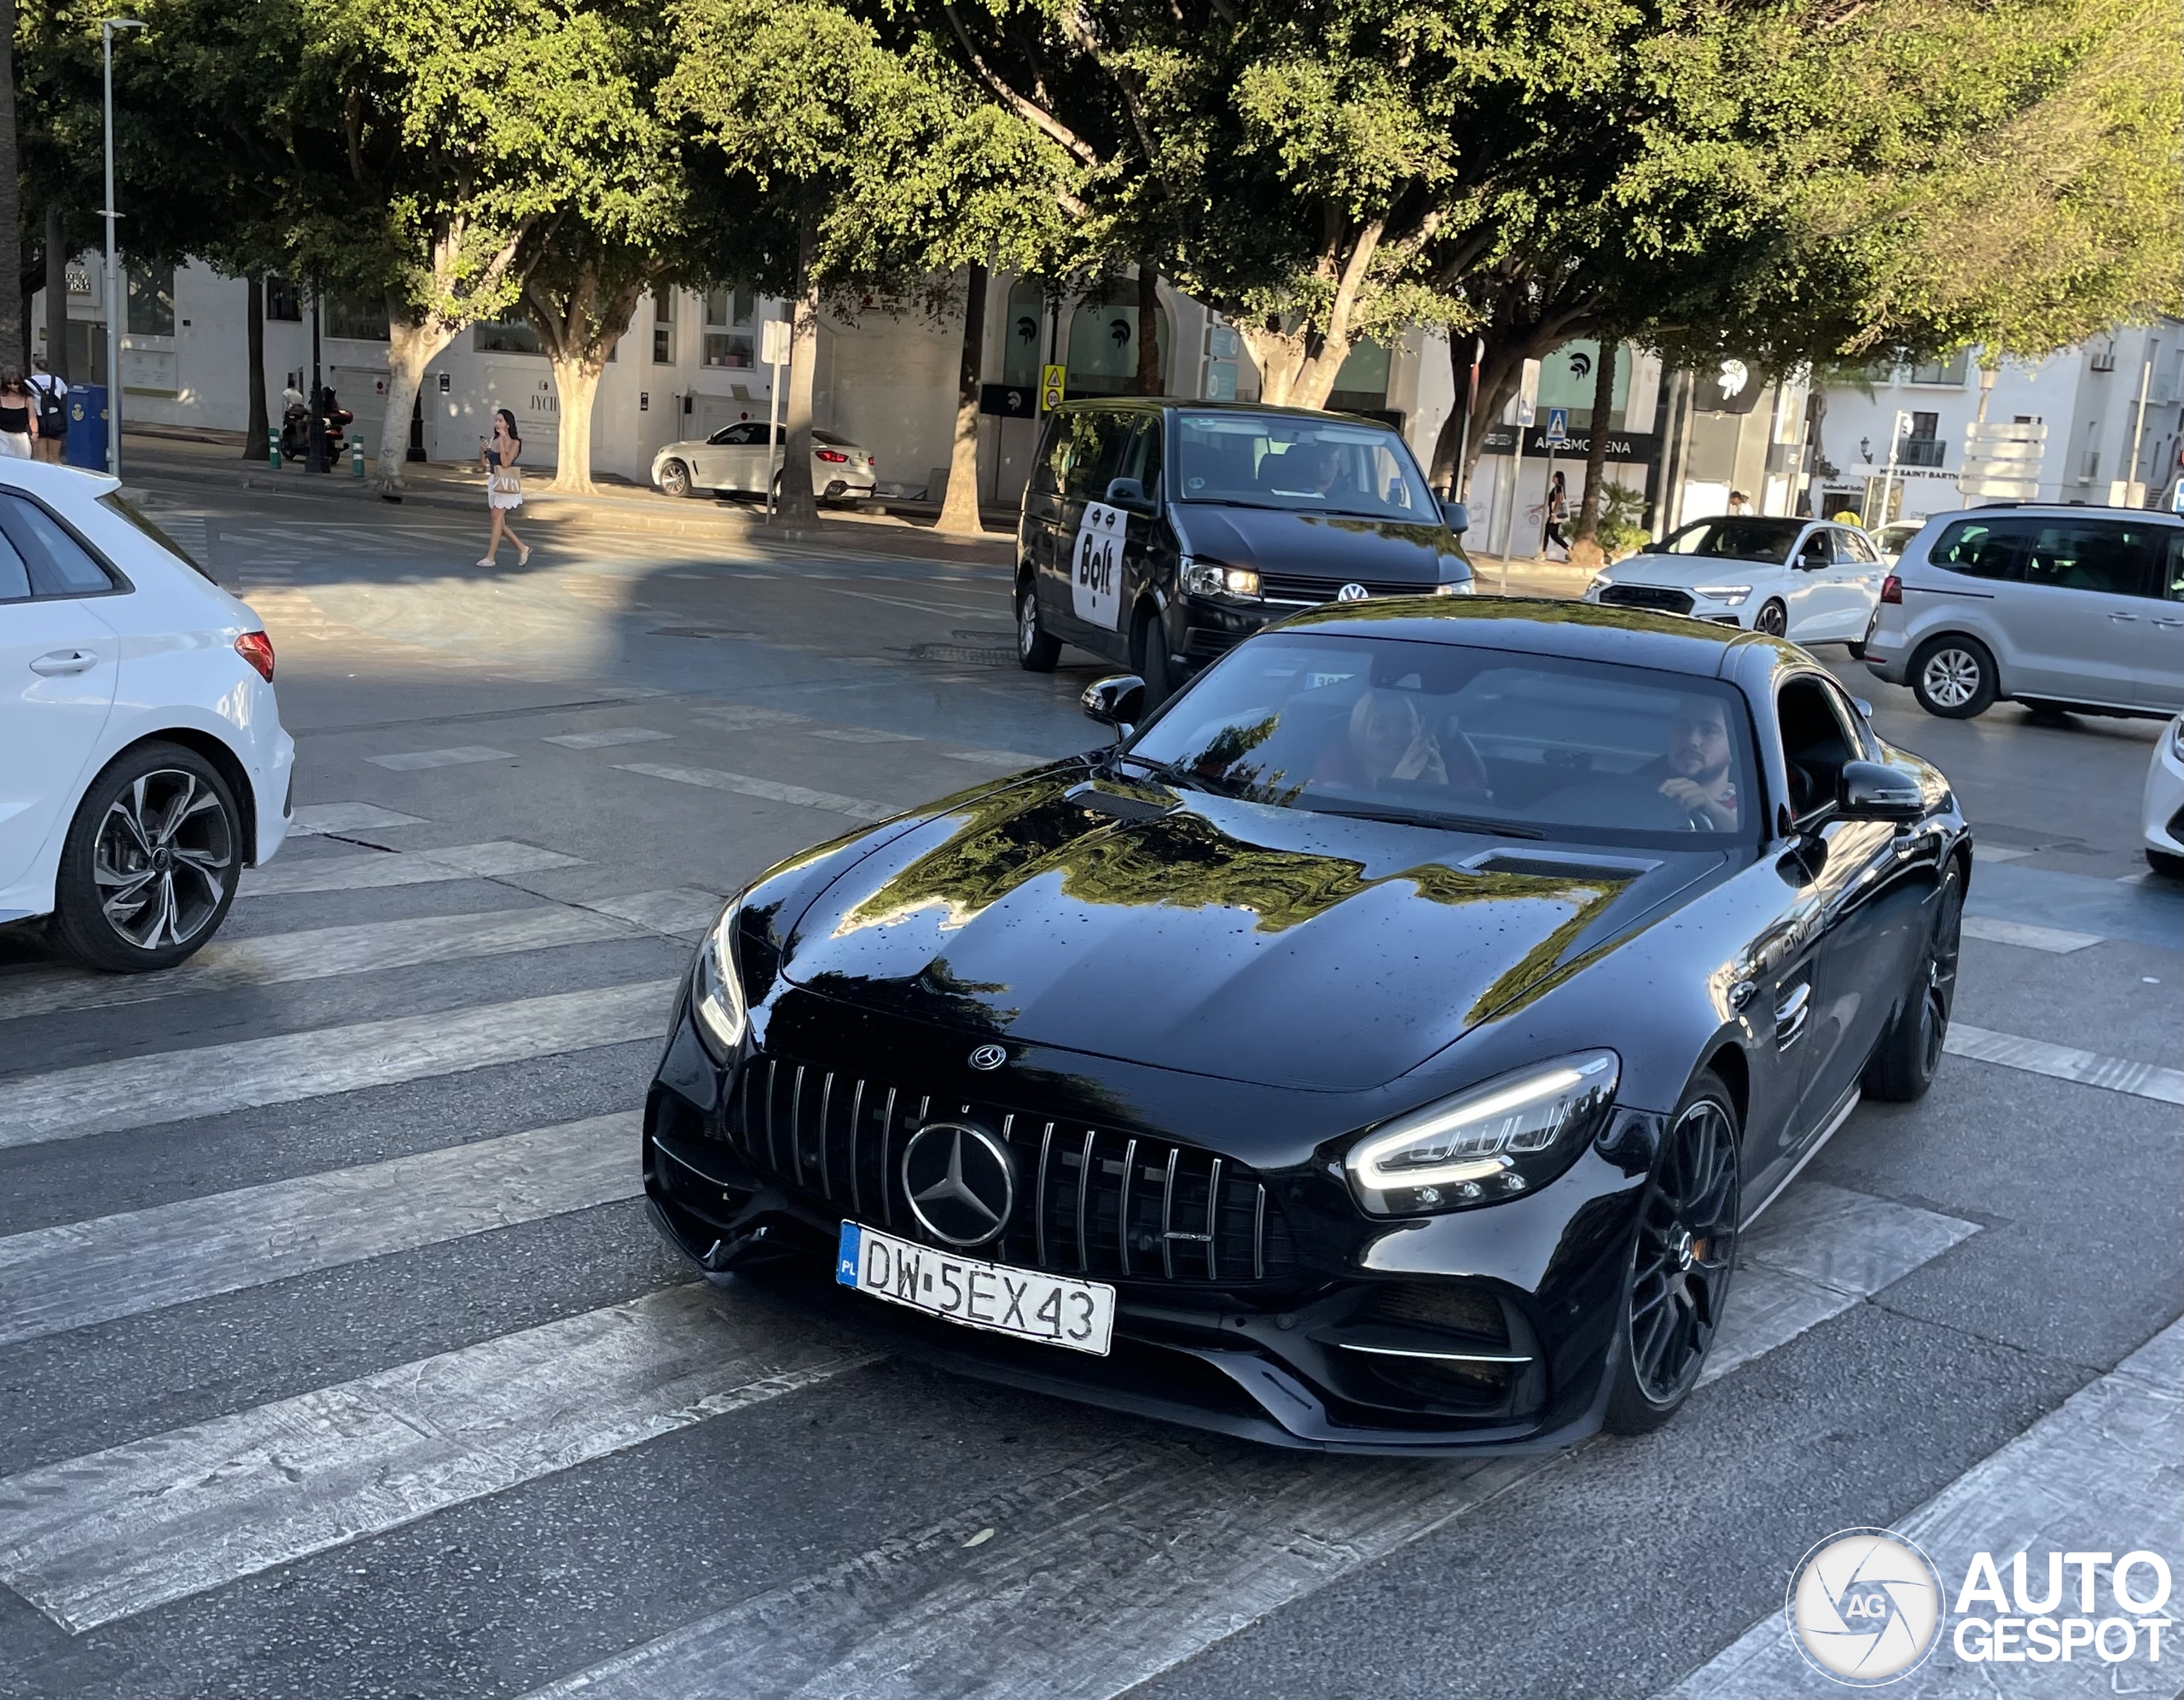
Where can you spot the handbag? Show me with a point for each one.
(507, 481)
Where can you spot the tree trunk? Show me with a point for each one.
(1588, 509)
(798, 503)
(1278, 351)
(256, 433)
(14, 331)
(576, 383)
(1148, 330)
(960, 512)
(56, 294)
(410, 349)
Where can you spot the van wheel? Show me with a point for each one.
(1150, 645)
(1036, 649)
(151, 862)
(1953, 677)
(675, 479)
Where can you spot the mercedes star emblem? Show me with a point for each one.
(961, 1182)
(988, 1056)
(1352, 593)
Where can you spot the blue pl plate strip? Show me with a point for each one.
(845, 1264)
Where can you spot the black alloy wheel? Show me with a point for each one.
(1773, 618)
(2167, 863)
(1904, 1064)
(1953, 677)
(1037, 650)
(1150, 647)
(1679, 1275)
(675, 479)
(151, 862)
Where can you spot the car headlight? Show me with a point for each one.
(1455, 587)
(1485, 1143)
(1601, 581)
(716, 998)
(2176, 739)
(1210, 578)
(1728, 595)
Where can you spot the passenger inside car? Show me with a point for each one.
(1386, 737)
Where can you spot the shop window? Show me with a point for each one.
(151, 300)
(1023, 338)
(1362, 384)
(1103, 343)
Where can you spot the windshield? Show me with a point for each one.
(114, 502)
(1440, 734)
(1315, 466)
(1766, 540)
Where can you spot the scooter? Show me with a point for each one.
(295, 431)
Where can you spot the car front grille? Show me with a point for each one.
(1655, 596)
(1278, 587)
(1090, 1202)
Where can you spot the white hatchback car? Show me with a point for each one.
(145, 765)
(1811, 581)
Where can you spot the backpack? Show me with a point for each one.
(52, 410)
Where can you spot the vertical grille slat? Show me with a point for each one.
(1102, 1222)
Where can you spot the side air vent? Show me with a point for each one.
(1549, 867)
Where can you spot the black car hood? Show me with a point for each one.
(1325, 546)
(1215, 936)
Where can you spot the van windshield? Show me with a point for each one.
(1330, 466)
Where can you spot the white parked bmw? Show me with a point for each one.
(1809, 581)
(142, 762)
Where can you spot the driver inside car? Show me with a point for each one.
(1697, 771)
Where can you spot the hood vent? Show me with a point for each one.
(1547, 866)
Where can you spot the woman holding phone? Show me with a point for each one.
(498, 456)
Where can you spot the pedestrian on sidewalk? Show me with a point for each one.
(50, 394)
(17, 416)
(1557, 516)
(1739, 502)
(503, 485)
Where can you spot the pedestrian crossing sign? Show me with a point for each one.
(1557, 428)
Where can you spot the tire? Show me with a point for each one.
(1684, 1254)
(2045, 713)
(1036, 649)
(1857, 650)
(675, 480)
(1150, 645)
(1773, 618)
(151, 862)
(2167, 863)
(1953, 677)
(1902, 1064)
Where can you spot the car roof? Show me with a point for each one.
(1150, 403)
(2061, 510)
(1629, 637)
(66, 483)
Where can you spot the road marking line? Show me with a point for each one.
(606, 737)
(284, 958)
(1819, 1251)
(107, 1536)
(1996, 853)
(496, 860)
(314, 818)
(212, 1080)
(414, 760)
(2065, 1062)
(860, 734)
(680, 912)
(741, 717)
(2097, 1474)
(857, 808)
(78, 1273)
(2056, 940)
(996, 758)
(1104, 1573)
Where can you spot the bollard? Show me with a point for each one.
(273, 446)
(357, 458)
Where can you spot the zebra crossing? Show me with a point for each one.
(1090, 1564)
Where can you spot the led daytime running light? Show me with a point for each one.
(718, 1004)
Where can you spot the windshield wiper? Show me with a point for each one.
(1453, 823)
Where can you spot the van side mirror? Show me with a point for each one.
(1129, 495)
(1867, 791)
(1117, 700)
(1456, 516)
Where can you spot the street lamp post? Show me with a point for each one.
(116, 294)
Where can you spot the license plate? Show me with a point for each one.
(1052, 1309)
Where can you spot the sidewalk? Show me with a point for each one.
(215, 458)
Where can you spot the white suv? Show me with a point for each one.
(145, 765)
(1809, 581)
(2056, 607)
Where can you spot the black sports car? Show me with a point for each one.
(1380, 1048)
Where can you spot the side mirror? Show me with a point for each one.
(1117, 700)
(1456, 516)
(1864, 708)
(1129, 495)
(1867, 791)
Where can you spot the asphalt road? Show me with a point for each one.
(337, 1357)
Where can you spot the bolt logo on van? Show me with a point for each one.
(1096, 585)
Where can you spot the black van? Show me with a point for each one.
(1160, 533)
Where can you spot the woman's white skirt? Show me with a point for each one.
(15, 445)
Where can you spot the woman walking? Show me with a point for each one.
(17, 416)
(1557, 515)
(503, 485)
